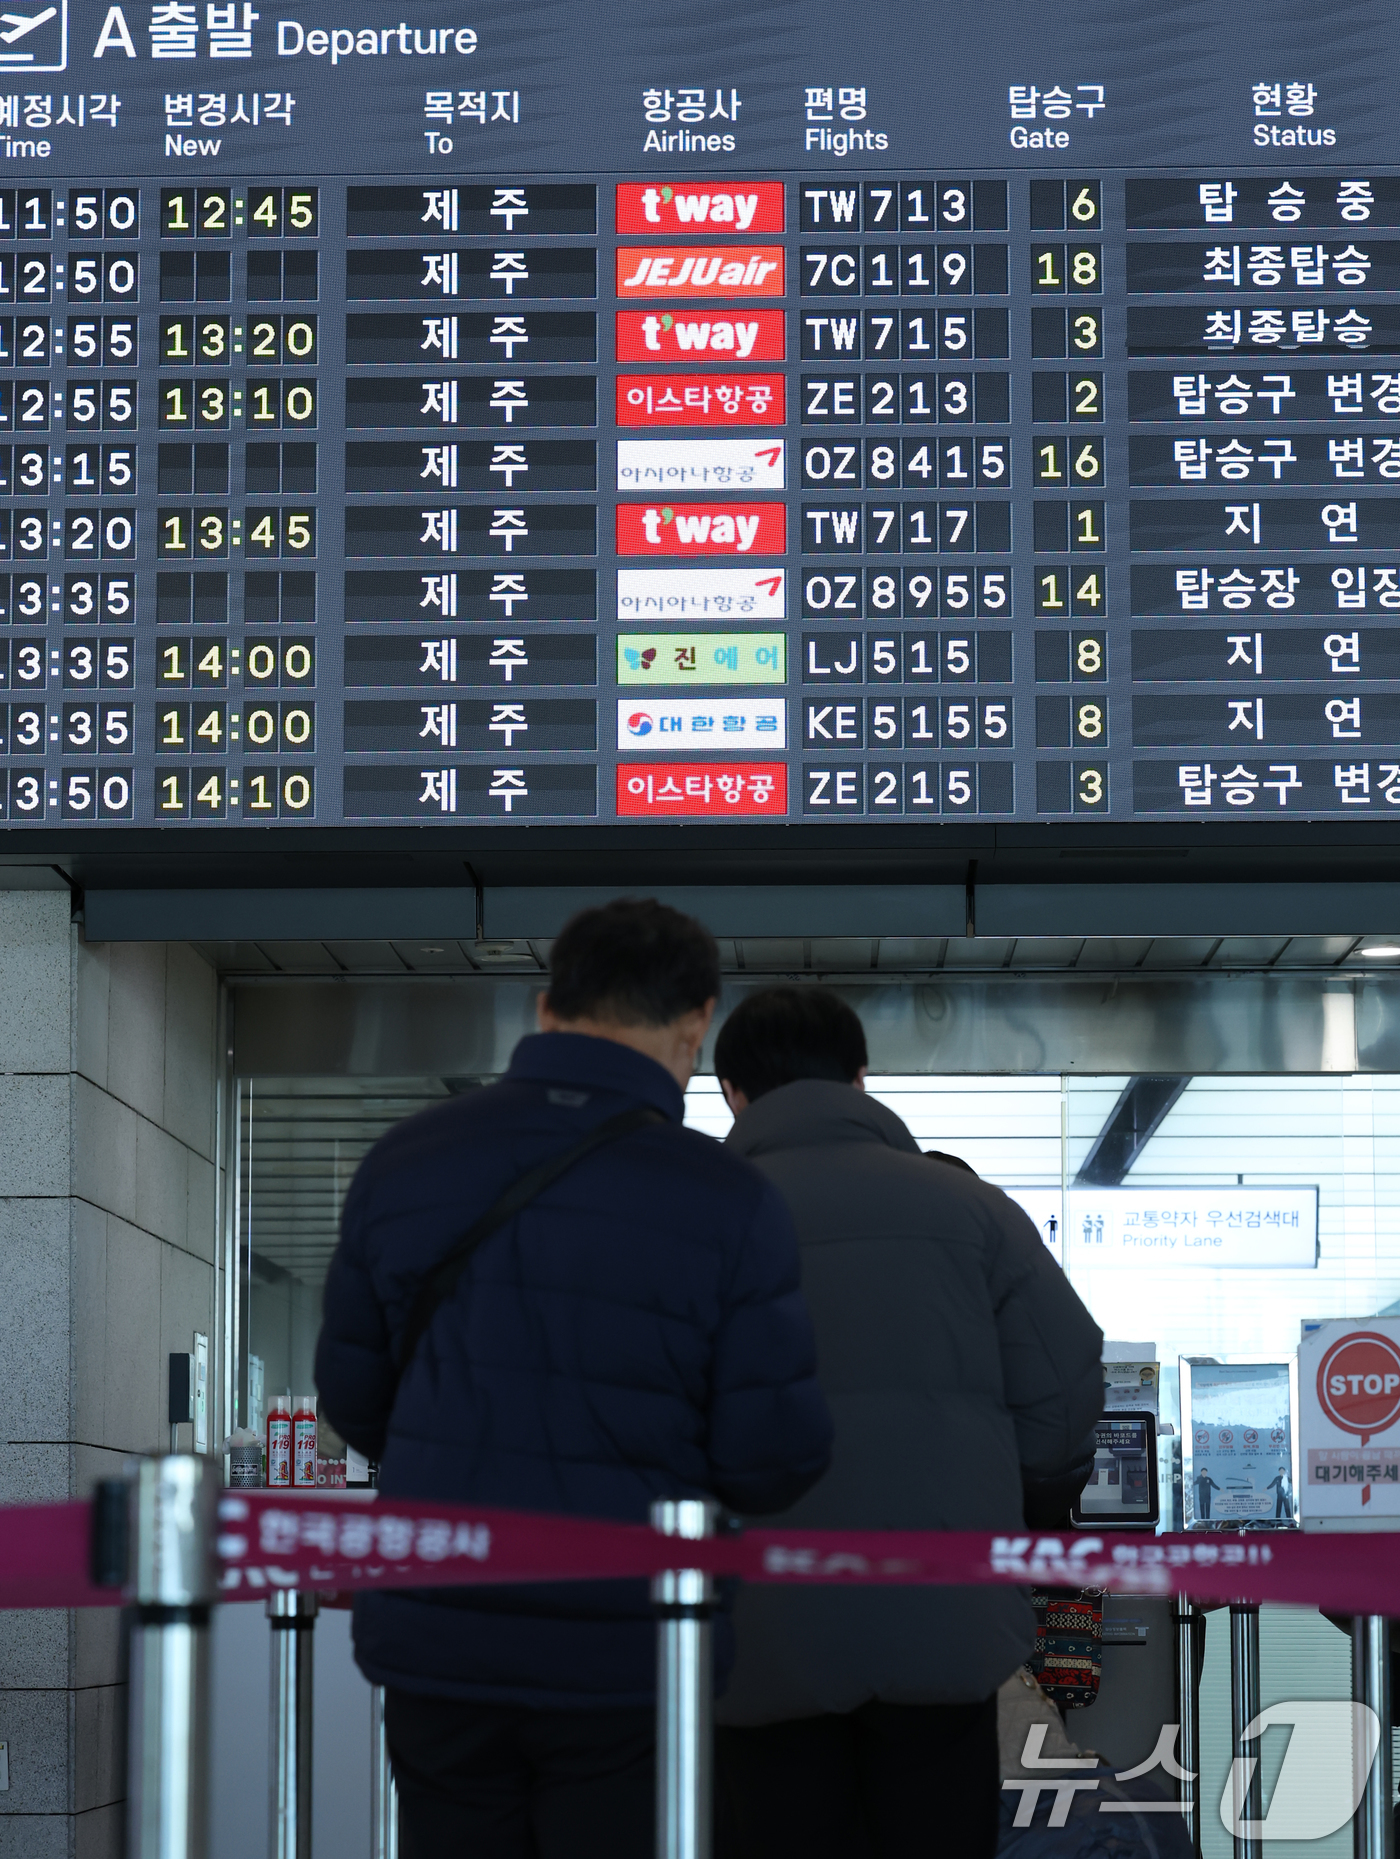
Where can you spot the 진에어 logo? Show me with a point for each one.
(1358, 1383)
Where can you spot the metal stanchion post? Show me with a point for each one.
(684, 1600)
(293, 1617)
(383, 1795)
(1187, 1618)
(1244, 1708)
(170, 1585)
(1373, 1827)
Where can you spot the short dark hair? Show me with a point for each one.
(779, 1035)
(634, 962)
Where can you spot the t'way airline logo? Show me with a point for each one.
(700, 270)
(701, 529)
(753, 206)
(647, 335)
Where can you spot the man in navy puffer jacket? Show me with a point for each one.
(636, 1332)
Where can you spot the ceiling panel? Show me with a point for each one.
(1046, 951)
(772, 954)
(1249, 951)
(1316, 951)
(842, 954)
(906, 952)
(1180, 951)
(433, 958)
(236, 958)
(505, 954)
(1114, 952)
(978, 951)
(848, 955)
(301, 958)
(366, 958)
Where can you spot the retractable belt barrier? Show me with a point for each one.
(271, 1540)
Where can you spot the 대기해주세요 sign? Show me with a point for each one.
(1176, 1228)
(1349, 1425)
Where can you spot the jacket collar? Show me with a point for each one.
(603, 1064)
(814, 1113)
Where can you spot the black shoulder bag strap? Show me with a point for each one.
(442, 1280)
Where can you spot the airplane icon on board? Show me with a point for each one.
(16, 27)
(22, 23)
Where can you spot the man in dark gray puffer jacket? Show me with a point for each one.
(953, 1354)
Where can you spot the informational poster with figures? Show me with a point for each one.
(1349, 1420)
(1238, 1461)
(1129, 1383)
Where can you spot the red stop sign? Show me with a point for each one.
(1358, 1383)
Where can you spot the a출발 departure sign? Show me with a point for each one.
(517, 417)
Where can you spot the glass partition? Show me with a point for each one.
(1032, 1135)
(300, 1141)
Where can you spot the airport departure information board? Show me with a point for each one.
(524, 414)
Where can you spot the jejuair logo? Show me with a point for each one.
(35, 39)
(701, 270)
